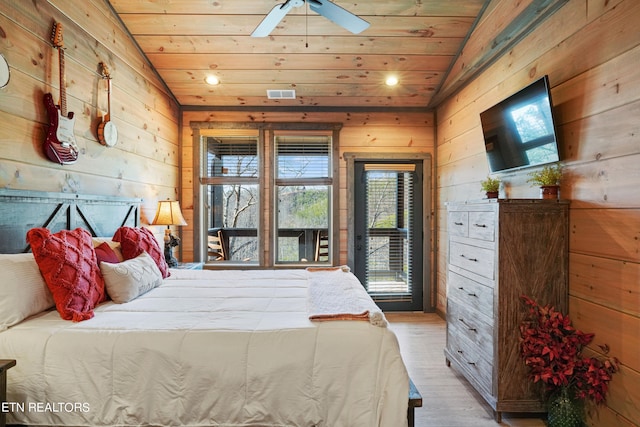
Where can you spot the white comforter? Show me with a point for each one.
(207, 348)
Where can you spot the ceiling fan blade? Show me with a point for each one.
(338, 15)
(272, 19)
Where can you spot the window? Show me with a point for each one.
(303, 196)
(266, 194)
(232, 195)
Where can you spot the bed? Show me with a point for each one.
(205, 348)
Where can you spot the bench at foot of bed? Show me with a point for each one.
(415, 401)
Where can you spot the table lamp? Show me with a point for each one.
(168, 213)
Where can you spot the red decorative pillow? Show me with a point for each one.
(68, 264)
(134, 241)
(106, 254)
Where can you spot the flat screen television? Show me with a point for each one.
(519, 132)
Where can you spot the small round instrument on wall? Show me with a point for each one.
(107, 131)
(5, 74)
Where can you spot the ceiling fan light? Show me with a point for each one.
(212, 80)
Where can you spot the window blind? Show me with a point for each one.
(389, 194)
(303, 157)
(232, 157)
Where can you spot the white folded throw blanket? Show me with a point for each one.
(336, 294)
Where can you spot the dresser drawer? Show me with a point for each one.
(472, 362)
(466, 322)
(472, 258)
(459, 223)
(482, 225)
(471, 294)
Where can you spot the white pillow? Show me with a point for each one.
(23, 291)
(129, 279)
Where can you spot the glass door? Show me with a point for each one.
(388, 232)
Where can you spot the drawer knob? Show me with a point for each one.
(480, 225)
(459, 223)
(471, 363)
(471, 294)
(470, 259)
(472, 329)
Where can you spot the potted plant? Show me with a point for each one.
(490, 186)
(552, 350)
(548, 179)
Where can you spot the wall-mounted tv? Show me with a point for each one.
(519, 132)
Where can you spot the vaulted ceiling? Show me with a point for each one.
(418, 41)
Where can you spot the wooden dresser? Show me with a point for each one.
(500, 249)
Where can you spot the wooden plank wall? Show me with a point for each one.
(393, 132)
(144, 163)
(591, 50)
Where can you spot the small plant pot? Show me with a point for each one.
(492, 194)
(549, 191)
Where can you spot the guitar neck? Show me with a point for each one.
(63, 86)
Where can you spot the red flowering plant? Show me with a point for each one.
(552, 349)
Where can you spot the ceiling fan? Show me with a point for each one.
(329, 10)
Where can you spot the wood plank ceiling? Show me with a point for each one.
(416, 40)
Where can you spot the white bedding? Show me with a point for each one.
(207, 348)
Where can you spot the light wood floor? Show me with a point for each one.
(448, 400)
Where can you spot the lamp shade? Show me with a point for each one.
(169, 213)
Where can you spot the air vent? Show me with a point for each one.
(281, 94)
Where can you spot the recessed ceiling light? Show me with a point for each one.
(391, 81)
(212, 80)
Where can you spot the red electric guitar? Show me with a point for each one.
(60, 144)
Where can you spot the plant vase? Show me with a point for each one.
(565, 410)
(550, 191)
(492, 194)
